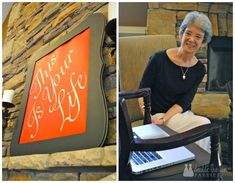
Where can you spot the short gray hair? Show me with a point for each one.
(200, 20)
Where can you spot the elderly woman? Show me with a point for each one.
(174, 75)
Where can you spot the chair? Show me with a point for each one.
(133, 57)
(228, 86)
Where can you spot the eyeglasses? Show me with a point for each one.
(197, 36)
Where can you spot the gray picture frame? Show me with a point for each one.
(97, 116)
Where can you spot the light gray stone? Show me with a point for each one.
(219, 7)
(111, 95)
(181, 15)
(5, 161)
(4, 151)
(230, 25)
(179, 6)
(51, 176)
(52, 39)
(212, 105)
(47, 38)
(79, 17)
(230, 9)
(8, 151)
(110, 82)
(201, 55)
(204, 61)
(36, 162)
(203, 7)
(19, 78)
(201, 90)
(4, 143)
(112, 112)
(91, 176)
(29, 9)
(20, 89)
(67, 11)
(214, 22)
(111, 136)
(108, 59)
(51, 9)
(110, 70)
(157, 18)
(111, 177)
(34, 22)
(19, 46)
(94, 6)
(4, 175)
(7, 50)
(7, 135)
(222, 24)
(15, 13)
(7, 69)
(87, 157)
(153, 5)
(109, 158)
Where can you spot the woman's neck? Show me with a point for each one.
(185, 57)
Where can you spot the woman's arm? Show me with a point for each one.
(141, 105)
(183, 103)
(155, 119)
(147, 80)
(171, 112)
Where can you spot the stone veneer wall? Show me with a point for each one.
(166, 18)
(31, 27)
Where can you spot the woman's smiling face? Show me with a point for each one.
(192, 39)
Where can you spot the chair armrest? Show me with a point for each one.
(146, 94)
(176, 140)
(143, 92)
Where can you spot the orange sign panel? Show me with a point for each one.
(57, 101)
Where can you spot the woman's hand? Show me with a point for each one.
(158, 120)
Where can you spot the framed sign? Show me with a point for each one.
(64, 106)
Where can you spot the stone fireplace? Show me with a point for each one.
(220, 63)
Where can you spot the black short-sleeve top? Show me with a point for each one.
(165, 78)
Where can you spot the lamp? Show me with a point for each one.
(6, 104)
